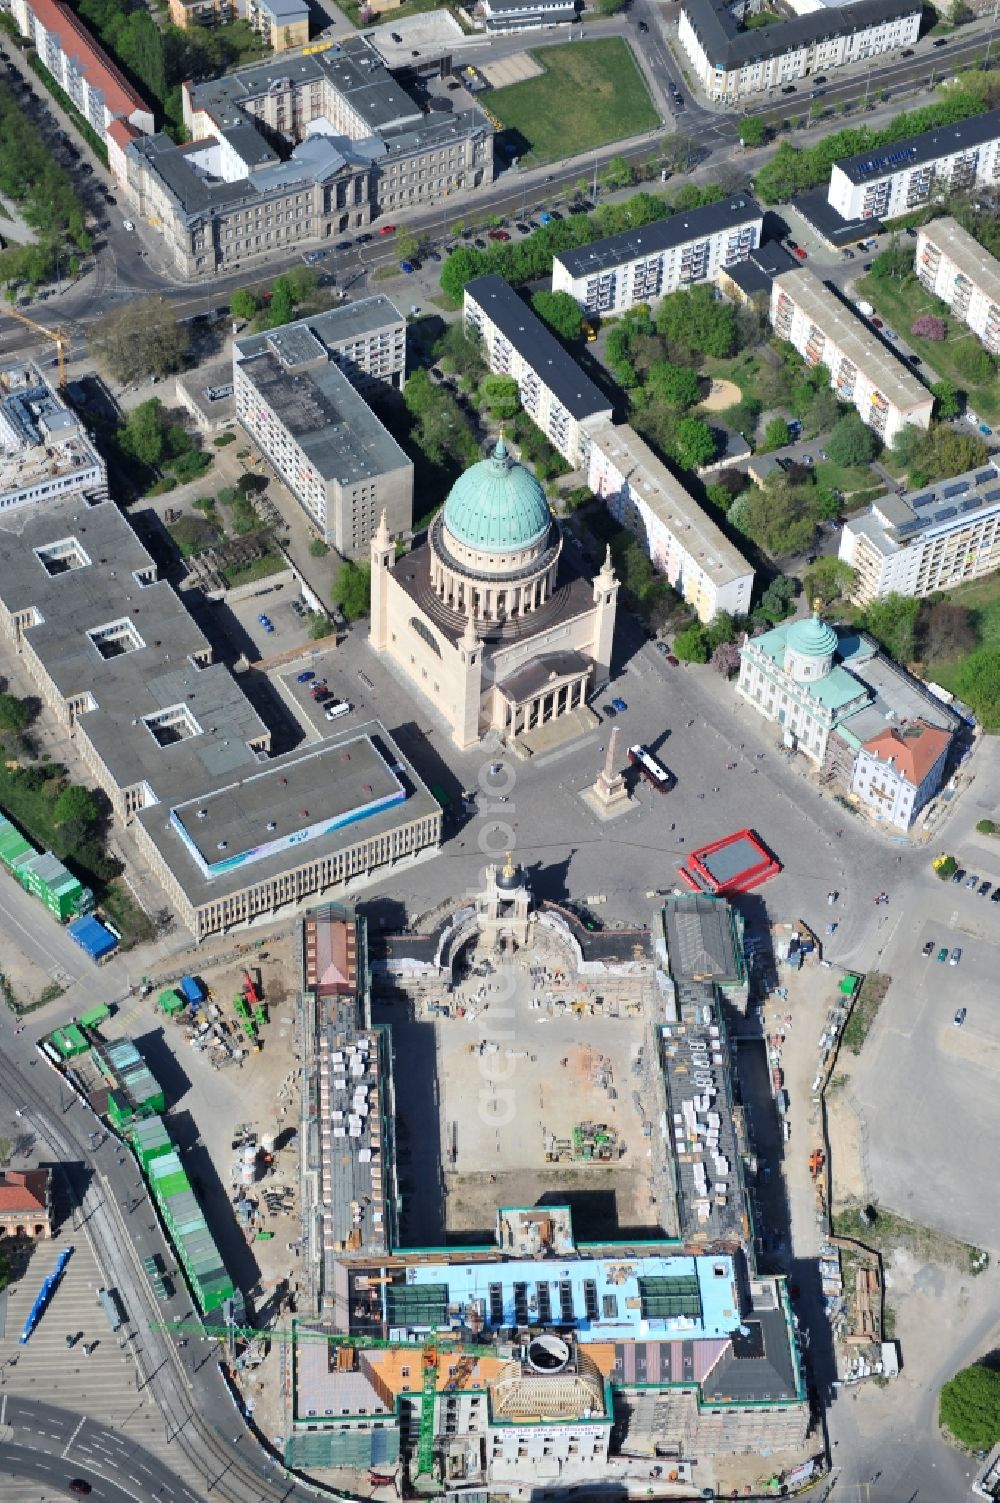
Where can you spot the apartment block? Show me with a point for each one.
(862, 370)
(638, 266)
(733, 61)
(682, 541)
(555, 393)
(296, 152)
(329, 448)
(894, 180)
(45, 451)
(80, 67)
(281, 23)
(955, 267)
(926, 540)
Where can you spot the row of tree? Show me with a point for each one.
(43, 192)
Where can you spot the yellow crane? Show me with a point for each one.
(58, 339)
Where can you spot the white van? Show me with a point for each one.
(334, 711)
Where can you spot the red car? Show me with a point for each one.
(498, 235)
(799, 252)
(387, 229)
(876, 323)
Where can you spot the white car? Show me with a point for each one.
(128, 225)
(972, 417)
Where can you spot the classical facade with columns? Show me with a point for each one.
(486, 616)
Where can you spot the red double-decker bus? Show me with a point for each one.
(651, 768)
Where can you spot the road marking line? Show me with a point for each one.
(76, 1432)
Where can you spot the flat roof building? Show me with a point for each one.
(680, 538)
(45, 451)
(555, 393)
(862, 369)
(294, 399)
(898, 178)
(525, 15)
(956, 268)
(640, 265)
(732, 61)
(928, 539)
(168, 733)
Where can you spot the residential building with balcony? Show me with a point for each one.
(641, 265)
(825, 331)
(294, 399)
(733, 62)
(681, 540)
(80, 66)
(896, 179)
(555, 393)
(926, 540)
(956, 268)
(281, 23)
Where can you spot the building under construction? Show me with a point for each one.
(45, 451)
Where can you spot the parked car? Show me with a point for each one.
(984, 888)
(972, 417)
(407, 266)
(914, 359)
(789, 89)
(609, 712)
(942, 954)
(820, 78)
(673, 661)
(960, 1017)
(941, 42)
(877, 323)
(907, 52)
(799, 254)
(361, 240)
(619, 705)
(972, 880)
(995, 894)
(80, 1487)
(956, 955)
(128, 225)
(499, 234)
(958, 875)
(928, 949)
(434, 255)
(479, 243)
(387, 229)
(304, 676)
(985, 429)
(266, 623)
(889, 333)
(643, 27)
(342, 245)
(522, 228)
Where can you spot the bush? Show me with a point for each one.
(945, 867)
(190, 465)
(318, 548)
(970, 1407)
(222, 439)
(352, 590)
(974, 363)
(986, 827)
(691, 645)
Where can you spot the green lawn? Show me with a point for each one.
(844, 478)
(257, 568)
(982, 598)
(899, 303)
(590, 94)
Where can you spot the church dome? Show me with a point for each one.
(812, 638)
(497, 504)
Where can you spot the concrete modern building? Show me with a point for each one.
(80, 66)
(733, 61)
(897, 772)
(641, 265)
(896, 179)
(486, 616)
(862, 369)
(955, 267)
(231, 832)
(926, 540)
(26, 1204)
(293, 390)
(834, 695)
(296, 151)
(682, 541)
(501, 16)
(45, 451)
(556, 395)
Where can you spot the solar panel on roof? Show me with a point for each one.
(925, 499)
(905, 528)
(971, 503)
(957, 489)
(985, 475)
(945, 513)
(993, 495)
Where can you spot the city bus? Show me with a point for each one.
(652, 768)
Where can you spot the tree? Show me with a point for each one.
(986, 827)
(140, 339)
(776, 435)
(948, 404)
(406, 245)
(691, 644)
(352, 590)
(978, 682)
(461, 350)
(694, 444)
(851, 443)
(143, 435)
(970, 1407)
(466, 263)
(15, 714)
(775, 516)
(76, 805)
(244, 304)
(560, 311)
(892, 621)
(929, 326)
(319, 549)
(776, 602)
(753, 131)
(829, 579)
(693, 320)
(906, 445)
(939, 453)
(974, 363)
(824, 409)
(726, 659)
(947, 631)
(619, 172)
(501, 395)
(674, 384)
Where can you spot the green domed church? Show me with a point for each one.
(486, 615)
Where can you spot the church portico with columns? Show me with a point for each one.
(487, 617)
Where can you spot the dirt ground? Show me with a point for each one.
(26, 980)
(721, 395)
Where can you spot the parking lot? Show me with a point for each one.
(276, 603)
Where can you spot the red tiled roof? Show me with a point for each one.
(22, 1190)
(98, 69)
(121, 133)
(912, 751)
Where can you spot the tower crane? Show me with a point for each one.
(58, 339)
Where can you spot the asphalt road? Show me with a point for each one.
(64, 1445)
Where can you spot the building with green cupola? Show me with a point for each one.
(487, 617)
